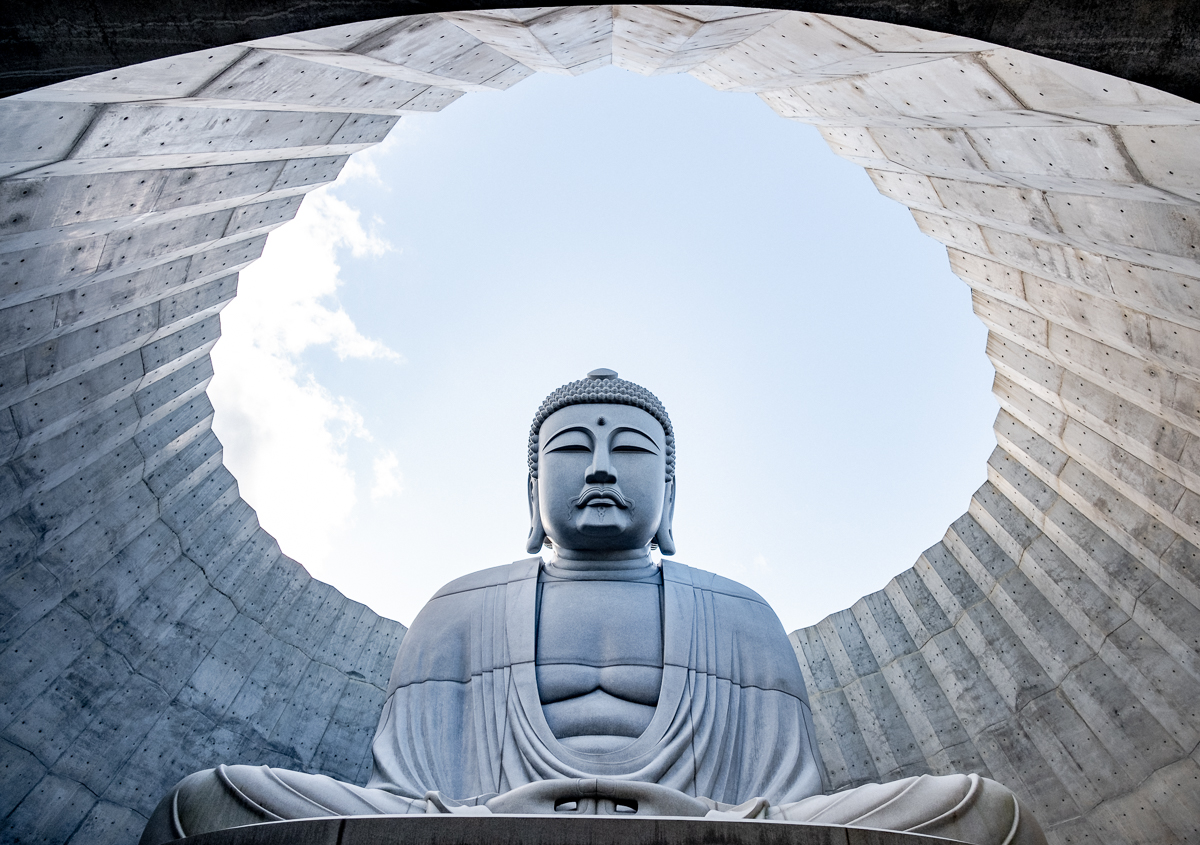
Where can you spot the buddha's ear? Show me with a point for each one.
(663, 538)
(537, 534)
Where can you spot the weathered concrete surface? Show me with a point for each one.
(1155, 42)
(149, 628)
(548, 830)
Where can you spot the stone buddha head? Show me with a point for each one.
(601, 470)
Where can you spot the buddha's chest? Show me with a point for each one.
(600, 636)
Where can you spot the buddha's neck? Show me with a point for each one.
(593, 561)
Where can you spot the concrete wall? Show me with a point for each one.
(1155, 42)
(148, 627)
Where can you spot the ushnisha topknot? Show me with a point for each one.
(602, 387)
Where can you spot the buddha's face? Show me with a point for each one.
(601, 477)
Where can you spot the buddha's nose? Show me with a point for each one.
(600, 471)
(600, 476)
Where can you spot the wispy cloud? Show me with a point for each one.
(388, 481)
(286, 435)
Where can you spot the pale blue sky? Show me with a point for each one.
(821, 364)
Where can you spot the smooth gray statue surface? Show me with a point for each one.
(599, 682)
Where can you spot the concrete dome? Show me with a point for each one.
(149, 627)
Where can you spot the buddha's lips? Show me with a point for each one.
(602, 497)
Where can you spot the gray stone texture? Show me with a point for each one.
(1153, 42)
(150, 628)
(728, 686)
(543, 830)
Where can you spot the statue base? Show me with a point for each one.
(548, 830)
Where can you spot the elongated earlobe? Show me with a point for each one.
(537, 534)
(663, 538)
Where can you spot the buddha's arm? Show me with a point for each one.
(966, 808)
(231, 796)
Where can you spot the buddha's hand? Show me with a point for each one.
(755, 808)
(436, 803)
(597, 796)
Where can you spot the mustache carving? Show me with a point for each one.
(593, 492)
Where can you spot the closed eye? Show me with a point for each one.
(570, 447)
(627, 448)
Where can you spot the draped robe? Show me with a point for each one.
(463, 716)
(463, 722)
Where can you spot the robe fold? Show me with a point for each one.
(463, 715)
(463, 722)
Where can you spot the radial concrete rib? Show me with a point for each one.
(149, 627)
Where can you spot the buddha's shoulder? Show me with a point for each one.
(757, 639)
(494, 576)
(710, 581)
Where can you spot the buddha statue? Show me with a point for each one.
(600, 682)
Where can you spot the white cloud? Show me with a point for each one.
(362, 165)
(286, 436)
(388, 481)
(287, 296)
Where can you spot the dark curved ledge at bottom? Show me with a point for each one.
(548, 830)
